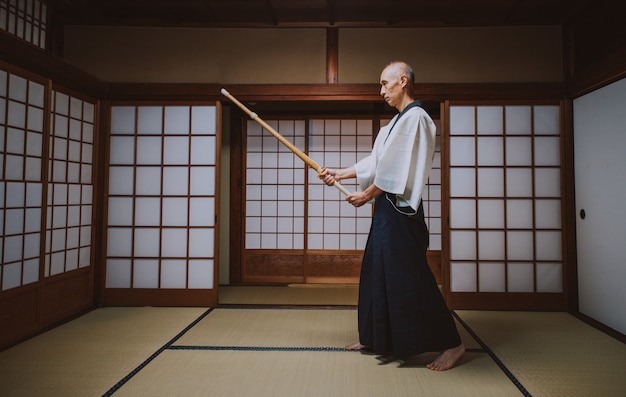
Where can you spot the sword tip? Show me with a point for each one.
(224, 92)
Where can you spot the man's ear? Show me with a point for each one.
(404, 80)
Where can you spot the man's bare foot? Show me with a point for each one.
(447, 358)
(356, 346)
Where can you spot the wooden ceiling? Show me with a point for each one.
(318, 13)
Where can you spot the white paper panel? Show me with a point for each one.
(463, 214)
(73, 215)
(463, 245)
(15, 195)
(84, 257)
(173, 274)
(462, 120)
(547, 151)
(148, 181)
(491, 277)
(520, 245)
(17, 88)
(15, 141)
(462, 182)
(71, 260)
(174, 242)
(176, 120)
(491, 245)
(120, 211)
(548, 214)
(518, 120)
(72, 237)
(31, 245)
(491, 214)
(147, 211)
(118, 273)
(121, 180)
(149, 119)
(519, 214)
(331, 240)
(462, 151)
(14, 167)
(122, 150)
(147, 242)
(519, 151)
(146, 273)
(175, 212)
(200, 274)
(546, 120)
(490, 182)
(122, 120)
(36, 93)
(201, 243)
(14, 221)
(203, 120)
(520, 277)
(176, 150)
(61, 126)
(35, 119)
(33, 220)
(549, 246)
(203, 150)
(12, 274)
(58, 240)
(176, 181)
(202, 212)
(519, 182)
(489, 120)
(85, 236)
(149, 150)
(547, 182)
(59, 216)
(119, 242)
(463, 277)
(203, 181)
(549, 277)
(490, 151)
(31, 271)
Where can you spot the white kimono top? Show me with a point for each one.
(402, 157)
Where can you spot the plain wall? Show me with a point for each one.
(599, 142)
(298, 55)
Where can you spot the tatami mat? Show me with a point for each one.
(553, 354)
(281, 328)
(254, 348)
(87, 356)
(295, 294)
(309, 373)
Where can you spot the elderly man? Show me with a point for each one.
(401, 310)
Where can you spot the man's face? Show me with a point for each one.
(391, 85)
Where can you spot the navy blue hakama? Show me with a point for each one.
(401, 310)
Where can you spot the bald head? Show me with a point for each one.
(396, 82)
(400, 68)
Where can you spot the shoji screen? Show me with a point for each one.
(162, 200)
(296, 228)
(333, 223)
(275, 187)
(21, 186)
(70, 187)
(505, 200)
(25, 19)
(46, 197)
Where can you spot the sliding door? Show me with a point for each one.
(162, 200)
(504, 206)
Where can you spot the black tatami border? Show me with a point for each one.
(493, 356)
(170, 345)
